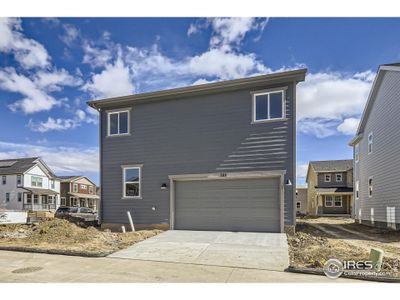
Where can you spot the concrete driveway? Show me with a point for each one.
(266, 251)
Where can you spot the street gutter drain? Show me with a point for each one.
(27, 270)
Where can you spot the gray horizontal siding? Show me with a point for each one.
(193, 135)
(383, 163)
(333, 182)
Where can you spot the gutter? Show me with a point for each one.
(355, 139)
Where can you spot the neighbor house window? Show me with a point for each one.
(75, 188)
(4, 179)
(52, 184)
(357, 189)
(339, 177)
(19, 197)
(19, 180)
(357, 153)
(370, 186)
(7, 197)
(268, 106)
(132, 182)
(90, 189)
(327, 177)
(63, 201)
(338, 201)
(29, 198)
(118, 122)
(83, 186)
(328, 201)
(370, 138)
(36, 181)
(298, 205)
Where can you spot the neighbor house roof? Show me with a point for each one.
(371, 99)
(17, 165)
(332, 165)
(73, 178)
(273, 78)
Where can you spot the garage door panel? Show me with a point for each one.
(231, 205)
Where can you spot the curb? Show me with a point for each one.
(56, 251)
(364, 278)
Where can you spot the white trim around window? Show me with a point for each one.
(370, 185)
(138, 181)
(74, 187)
(357, 153)
(370, 142)
(338, 199)
(268, 93)
(357, 194)
(118, 112)
(327, 177)
(329, 199)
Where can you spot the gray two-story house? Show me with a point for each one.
(217, 156)
(330, 187)
(377, 153)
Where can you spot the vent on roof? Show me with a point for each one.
(4, 164)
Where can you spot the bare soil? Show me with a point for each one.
(318, 239)
(61, 234)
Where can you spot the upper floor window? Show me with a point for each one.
(370, 187)
(132, 182)
(339, 177)
(52, 184)
(327, 177)
(19, 180)
(83, 186)
(370, 138)
(37, 181)
(75, 187)
(357, 189)
(4, 179)
(118, 122)
(90, 189)
(357, 153)
(268, 106)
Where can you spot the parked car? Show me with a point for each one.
(80, 212)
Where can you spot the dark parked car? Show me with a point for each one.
(84, 213)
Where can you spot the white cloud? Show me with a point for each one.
(67, 160)
(53, 81)
(349, 126)
(71, 33)
(28, 52)
(113, 81)
(325, 100)
(96, 57)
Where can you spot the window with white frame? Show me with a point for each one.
(118, 122)
(338, 201)
(75, 188)
(7, 197)
(357, 153)
(52, 184)
(370, 139)
(83, 186)
(370, 186)
(36, 181)
(19, 180)
(268, 105)
(357, 189)
(339, 177)
(131, 182)
(328, 201)
(327, 177)
(4, 179)
(298, 205)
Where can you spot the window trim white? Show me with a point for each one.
(341, 177)
(357, 153)
(268, 92)
(109, 113)
(125, 167)
(41, 181)
(330, 177)
(330, 201)
(20, 181)
(73, 188)
(341, 201)
(83, 186)
(370, 187)
(370, 142)
(357, 188)
(4, 179)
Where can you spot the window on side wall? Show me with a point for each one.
(19, 197)
(19, 180)
(298, 205)
(370, 140)
(131, 182)
(4, 179)
(327, 177)
(357, 153)
(268, 106)
(370, 187)
(357, 189)
(118, 123)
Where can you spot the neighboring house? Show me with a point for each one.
(217, 156)
(301, 200)
(330, 187)
(28, 184)
(78, 191)
(377, 153)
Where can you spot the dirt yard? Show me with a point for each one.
(317, 240)
(59, 234)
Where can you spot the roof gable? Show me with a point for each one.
(17, 165)
(332, 165)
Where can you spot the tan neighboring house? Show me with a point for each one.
(301, 200)
(330, 187)
(78, 191)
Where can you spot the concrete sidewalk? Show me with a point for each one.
(266, 251)
(58, 268)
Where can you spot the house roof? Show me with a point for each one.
(332, 165)
(371, 98)
(73, 178)
(17, 165)
(273, 78)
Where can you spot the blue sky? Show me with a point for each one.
(49, 68)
